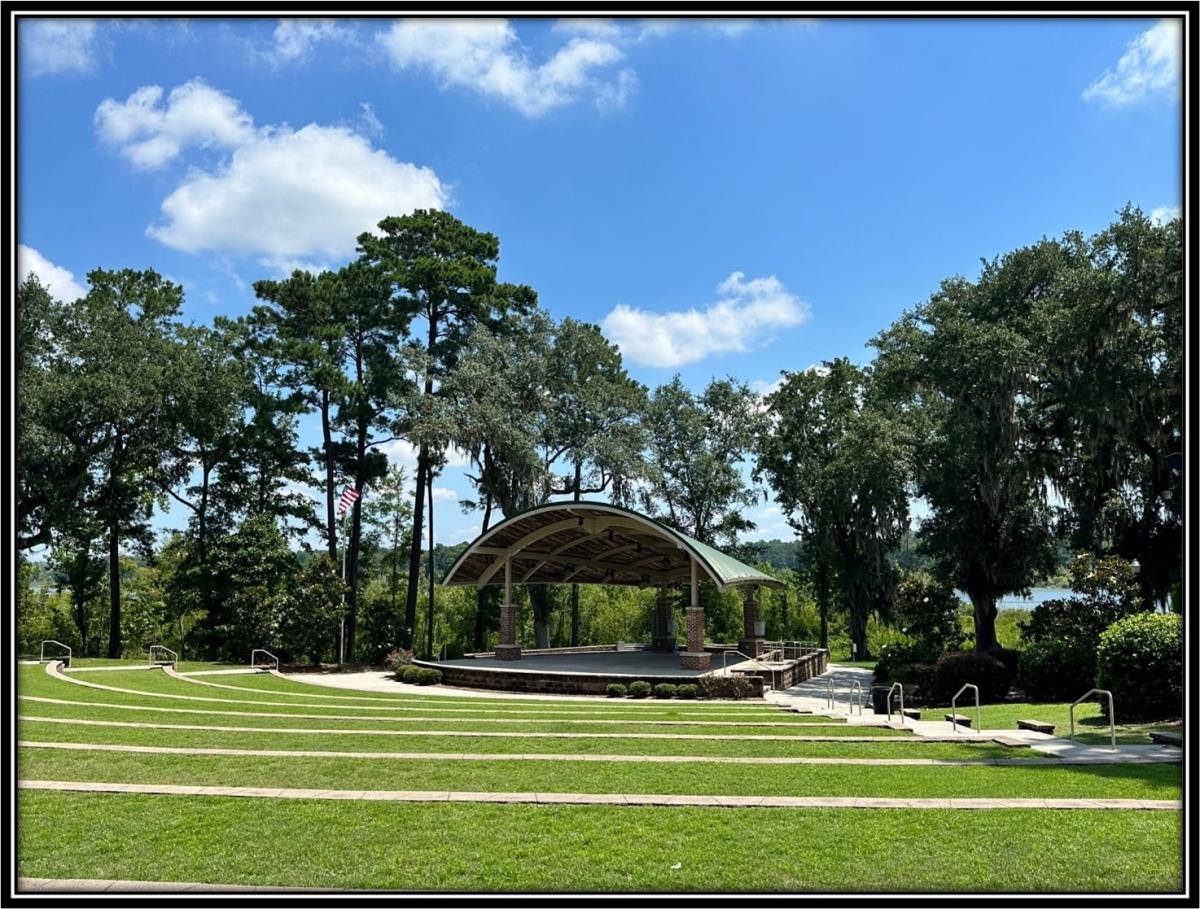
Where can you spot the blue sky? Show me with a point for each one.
(723, 198)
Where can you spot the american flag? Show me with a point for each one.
(348, 498)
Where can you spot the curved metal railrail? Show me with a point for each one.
(159, 660)
(66, 661)
(954, 713)
(895, 685)
(855, 684)
(1112, 717)
(258, 650)
(830, 700)
(725, 665)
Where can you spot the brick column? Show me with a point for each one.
(751, 640)
(695, 657)
(663, 640)
(508, 648)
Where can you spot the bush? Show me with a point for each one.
(408, 673)
(429, 677)
(1054, 670)
(893, 660)
(927, 614)
(686, 692)
(665, 690)
(953, 670)
(616, 690)
(397, 660)
(1140, 660)
(734, 687)
(639, 689)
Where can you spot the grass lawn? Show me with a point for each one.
(1090, 726)
(1139, 781)
(715, 745)
(591, 848)
(855, 664)
(183, 665)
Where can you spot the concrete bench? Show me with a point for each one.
(1167, 738)
(958, 719)
(912, 713)
(1036, 726)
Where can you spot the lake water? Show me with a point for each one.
(1036, 595)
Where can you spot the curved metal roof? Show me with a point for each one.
(593, 543)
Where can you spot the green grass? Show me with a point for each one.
(1090, 726)
(279, 718)
(855, 664)
(716, 745)
(543, 847)
(1137, 781)
(182, 666)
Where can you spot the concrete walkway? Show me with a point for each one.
(811, 697)
(553, 756)
(587, 798)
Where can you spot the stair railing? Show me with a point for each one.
(895, 685)
(954, 713)
(1112, 717)
(258, 650)
(66, 660)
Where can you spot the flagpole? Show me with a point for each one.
(345, 546)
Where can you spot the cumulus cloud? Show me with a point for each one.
(1164, 214)
(58, 45)
(151, 133)
(293, 198)
(294, 39)
(743, 317)
(1150, 66)
(60, 282)
(485, 56)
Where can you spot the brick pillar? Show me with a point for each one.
(663, 640)
(508, 648)
(695, 657)
(751, 641)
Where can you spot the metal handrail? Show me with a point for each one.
(953, 714)
(1112, 717)
(725, 665)
(829, 698)
(855, 683)
(174, 656)
(267, 652)
(42, 655)
(895, 685)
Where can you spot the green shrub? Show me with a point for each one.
(430, 677)
(926, 612)
(733, 687)
(616, 690)
(1056, 670)
(953, 670)
(639, 689)
(894, 660)
(665, 690)
(1140, 660)
(686, 692)
(409, 673)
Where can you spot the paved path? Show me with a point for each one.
(588, 798)
(541, 756)
(93, 885)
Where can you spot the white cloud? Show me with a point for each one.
(442, 494)
(370, 124)
(58, 45)
(743, 317)
(402, 453)
(294, 39)
(1149, 66)
(486, 56)
(291, 198)
(60, 282)
(1164, 214)
(151, 133)
(769, 524)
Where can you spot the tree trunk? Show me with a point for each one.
(823, 600)
(539, 599)
(114, 587)
(482, 600)
(984, 604)
(352, 555)
(414, 552)
(432, 580)
(575, 587)
(858, 633)
(330, 517)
